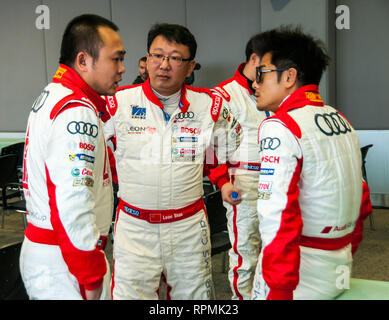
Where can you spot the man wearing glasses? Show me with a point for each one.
(163, 129)
(243, 169)
(311, 214)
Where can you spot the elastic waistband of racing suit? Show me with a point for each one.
(326, 243)
(251, 166)
(162, 216)
(47, 236)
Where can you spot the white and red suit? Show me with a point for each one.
(243, 168)
(312, 200)
(68, 191)
(161, 224)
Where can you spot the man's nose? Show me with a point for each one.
(122, 68)
(165, 63)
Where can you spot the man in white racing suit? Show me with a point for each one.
(243, 168)
(66, 176)
(163, 129)
(312, 199)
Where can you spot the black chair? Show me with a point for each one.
(220, 241)
(10, 185)
(364, 151)
(11, 284)
(17, 149)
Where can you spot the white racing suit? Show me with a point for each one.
(312, 202)
(66, 182)
(243, 168)
(161, 227)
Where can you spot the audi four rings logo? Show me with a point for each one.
(332, 123)
(186, 115)
(269, 143)
(81, 127)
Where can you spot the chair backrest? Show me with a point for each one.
(8, 169)
(11, 284)
(17, 149)
(364, 151)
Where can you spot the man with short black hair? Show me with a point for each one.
(142, 68)
(243, 169)
(163, 129)
(66, 177)
(312, 199)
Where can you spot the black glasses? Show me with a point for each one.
(260, 71)
(157, 58)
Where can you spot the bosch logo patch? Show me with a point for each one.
(271, 159)
(80, 127)
(190, 130)
(87, 146)
(332, 123)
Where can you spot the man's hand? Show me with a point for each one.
(94, 294)
(226, 190)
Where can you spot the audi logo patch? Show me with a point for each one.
(81, 127)
(269, 144)
(332, 123)
(186, 115)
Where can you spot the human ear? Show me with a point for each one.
(192, 65)
(82, 61)
(290, 77)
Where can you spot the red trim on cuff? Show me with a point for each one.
(221, 181)
(94, 285)
(279, 294)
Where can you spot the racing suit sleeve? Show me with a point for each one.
(227, 133)
(71, 192)
(110, 136)
(219, 175)
(365, 211)
(278, 208)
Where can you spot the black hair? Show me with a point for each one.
(250, 45)
(144, 59)
(173, 32)
(291, 48)
(81, 34)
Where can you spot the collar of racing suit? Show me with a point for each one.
(242, 80)
(303, 96)
(69, 78)
(183, 104)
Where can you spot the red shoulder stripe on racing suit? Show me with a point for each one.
(281, 257)
(112, 104)
(89, 267)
